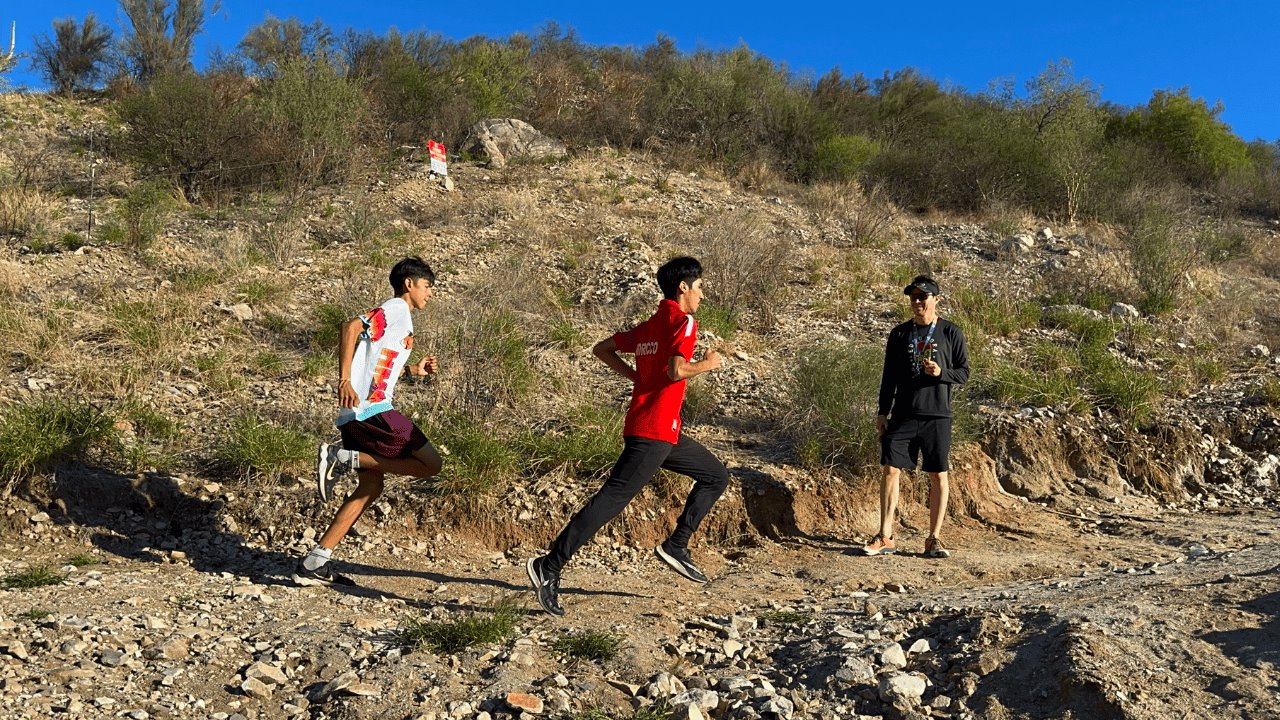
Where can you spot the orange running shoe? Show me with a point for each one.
(878, 546)
(933, 549)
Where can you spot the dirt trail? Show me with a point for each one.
(1132, 612)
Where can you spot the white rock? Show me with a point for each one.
(1124, 310)
(891, 655)
(923, 645)
(905, 688)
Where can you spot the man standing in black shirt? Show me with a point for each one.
(924, 358)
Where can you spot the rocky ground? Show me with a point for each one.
(1112, 610)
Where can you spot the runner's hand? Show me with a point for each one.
(426, 366)
(347, 397)
(713, 360)
(881, 423)
(931, 368)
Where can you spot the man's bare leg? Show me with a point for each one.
(889, 482)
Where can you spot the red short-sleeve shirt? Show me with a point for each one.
(655, 398)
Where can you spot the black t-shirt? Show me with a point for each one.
(907, 392)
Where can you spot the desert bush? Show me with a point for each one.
(77, 55)
(834, 397)
(278, 237)
(747, 265)
(1048, 379)
(843, 157)
(588, 645)
(142, 214)
(312, 119)
(1162, 249)
(35, 577)
(977, 311)
(865, 217)
(159, 38)
(255, 447)
(478, 461)
(584, 443)
(26, 212)
(196, 129)
(720, 320)
(1080, 375)
(1188, 131)
(492, 75)
(495, 625)
(733, 107)
(273, 43)
(37, 436)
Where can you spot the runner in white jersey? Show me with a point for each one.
(373, 353)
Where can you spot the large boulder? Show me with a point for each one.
(502, 139)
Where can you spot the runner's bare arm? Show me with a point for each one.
(348, 335)
(607, 351)
(680, 369)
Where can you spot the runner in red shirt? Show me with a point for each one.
(663, 348)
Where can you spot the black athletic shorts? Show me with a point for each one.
(905, 440)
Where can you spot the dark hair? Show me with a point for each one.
(676, 271)
(410, 268)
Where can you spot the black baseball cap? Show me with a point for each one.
(923, 283)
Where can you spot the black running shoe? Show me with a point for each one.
(679, 560)
(546, 586)
(323, 575)
(327, 470)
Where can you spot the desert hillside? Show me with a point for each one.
(169, 370)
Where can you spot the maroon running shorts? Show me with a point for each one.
(387, 434)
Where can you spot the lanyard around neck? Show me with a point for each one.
(918, 346)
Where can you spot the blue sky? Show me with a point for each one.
(1223, 51)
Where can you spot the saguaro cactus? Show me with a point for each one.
(8, 61)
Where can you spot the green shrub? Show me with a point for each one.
(254, 446)
(499, 339)
(585, 443)
(843, 157)
(1269, 391)
(1045, 383)
(142, 214)
(36, 437)
(1091, 331)
(1189, 132)
(312, 118)
(978, 311)
(328, 319)
(492, 75)
(834, 397)
(477, 460)
(786, 617)
(448, 638)
(82, 560)
(588, 645)
(567, 334)
(37, 576)
(149, 422)
(319, 365)
(33, 614)
(194, 279)
(138, 323)
(194, 128)
(1132, 393)
(747, 266)
(718, 319)
(259, 291)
